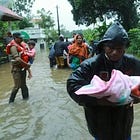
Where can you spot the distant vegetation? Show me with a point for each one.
(93, 12)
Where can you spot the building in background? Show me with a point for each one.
(36, 34)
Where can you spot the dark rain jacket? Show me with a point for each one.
(105, 121)
(59, 48)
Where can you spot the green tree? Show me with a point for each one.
(46, 22)
(90, 11)
(23, 7)
(65, 32)
(46, 19)
(96, 33)
(25, 23)
(134, 36)
(4, 28)
(51, 36)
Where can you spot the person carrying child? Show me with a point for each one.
(20, 65)
(106, 120)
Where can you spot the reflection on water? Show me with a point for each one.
(49, 114)
(5, 78)
(60, 75)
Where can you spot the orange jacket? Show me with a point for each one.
(20, 48)
(79, 50)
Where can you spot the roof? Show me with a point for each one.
(8, 15)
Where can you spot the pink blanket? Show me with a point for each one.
(118, 88)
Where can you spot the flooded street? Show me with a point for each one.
(49, 114)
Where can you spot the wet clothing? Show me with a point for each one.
(21, 49)
(59, 48)
(31, 55)
(77, 53)
(19, 73)
(19, 82)
(74, 62)
(116, 35)
(79, 50)
(52, 56)
(105, 120)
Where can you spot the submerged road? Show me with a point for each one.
(49, 114)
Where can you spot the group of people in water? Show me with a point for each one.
(70, 54)
(106, 120)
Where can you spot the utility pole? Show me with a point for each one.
(58, 20)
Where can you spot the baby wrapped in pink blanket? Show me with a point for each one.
(118, 88)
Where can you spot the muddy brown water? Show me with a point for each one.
(49, 114)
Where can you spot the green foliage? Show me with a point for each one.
(25, 23)
(134, 35)
(51, 36)
(15, 25)
(46, 19)
(46, 22)
(102, 29)
(95, 34)
(65, 32)
(90, 35)
(90, 11)
(23, 7)
(4, 28)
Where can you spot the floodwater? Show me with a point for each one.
(49, 114)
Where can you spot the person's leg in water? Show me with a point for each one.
(61, 59)
(29, 73)
(52, 63)
(24, 88)
(13, 95)
(57, 62)
(17, 84)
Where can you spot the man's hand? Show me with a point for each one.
(27, 66)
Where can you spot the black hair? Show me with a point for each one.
(31, 42)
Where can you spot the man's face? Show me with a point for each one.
(114, 53)
(18, 40)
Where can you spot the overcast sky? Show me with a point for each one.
(64, 9)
